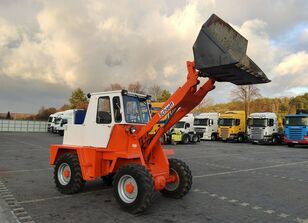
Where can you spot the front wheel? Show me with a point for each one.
(213, 137)
(240, 139)
(291, 145)
(183, 177)
(133, 188)
(67, 174)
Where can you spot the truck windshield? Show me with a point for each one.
(136, 110)
(226, 122)
(179, 125)
(49, 119)
(201, 121)
(293, 121)
(257, 122)
(57, 120)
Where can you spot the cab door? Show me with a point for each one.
(100, 130)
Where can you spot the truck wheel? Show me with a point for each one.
(291, 145)
(181, 171)
(185, 139)
(213, 137)
(107, 180)
(67, 174)
(61, 133)
(133, 188)
(195, 138)
(274, 140)
(240, 138)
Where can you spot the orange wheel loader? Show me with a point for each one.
(113, 141)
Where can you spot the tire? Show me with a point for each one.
(61, 133)
(195, 138)
(291, 145)
(213, 137)
(138, 176)
(185, 139)
(73, 183)
(108, 180)
(240, 139)
(274, 140)
(182, 187)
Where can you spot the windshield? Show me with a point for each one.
(293, 121)
(136, 110)
(226, 122)
(179, 125)
(49, 119)
(257, 122)
(201, 121)
(57, 120)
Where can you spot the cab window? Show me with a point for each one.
(117, 109)
(103, 115)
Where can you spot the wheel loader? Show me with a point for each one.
(114, 143)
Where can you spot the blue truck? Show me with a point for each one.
(296, 128)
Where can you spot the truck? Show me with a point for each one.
(183, 131)
(53, 122)
(69, 117)
(263, 127)
(50, 122)
(206, 126)
(232, 126)
(114, 143)
(296, 128)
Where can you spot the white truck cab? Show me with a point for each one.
(206, 125)
(53, 122)
(183, 131)
(263, 128)
(57, 122)
(106, 109)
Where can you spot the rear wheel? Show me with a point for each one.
(195, 138)
(133, 188)
(185, 139)
(67, 174)
(291, 145)
(213, 137)
(183, 177)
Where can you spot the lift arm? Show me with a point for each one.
(184, 100)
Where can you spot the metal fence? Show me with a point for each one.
(22, 126)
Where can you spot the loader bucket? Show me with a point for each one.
(220, 52)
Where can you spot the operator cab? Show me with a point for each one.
(105, 110)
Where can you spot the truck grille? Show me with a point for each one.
(256, 133)
(224, 133)
(199, 130)
(295, 134)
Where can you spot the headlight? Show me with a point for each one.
(132, 129)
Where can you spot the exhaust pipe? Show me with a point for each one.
(220, 53)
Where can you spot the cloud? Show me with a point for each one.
(93, 43)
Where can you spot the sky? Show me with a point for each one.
(49, 48)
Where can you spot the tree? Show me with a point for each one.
(77, 98)
(44, 113)
(155, 91)
(8, 115)
(246, 93)
(164, 96)
(114, 87)
(136, 87)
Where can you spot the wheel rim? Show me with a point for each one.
(64, 174)
(127, 189)
(213, 137)
(174, 185)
